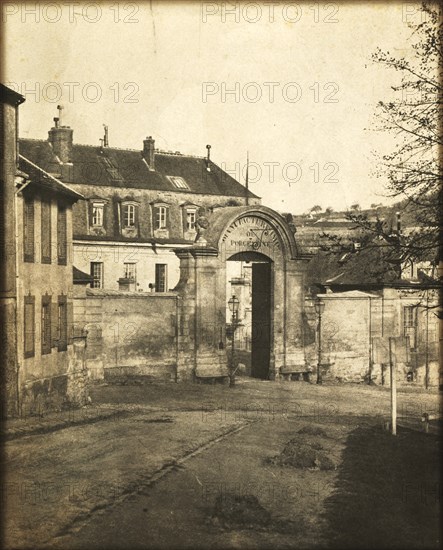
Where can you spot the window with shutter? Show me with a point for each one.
(62, 242)
(28, 229)
(62, 324)
(46, 324)
(46, 230)
(29, 327)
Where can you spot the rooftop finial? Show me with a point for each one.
(105, 137)
(208, 168)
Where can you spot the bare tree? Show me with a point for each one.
(413, 171)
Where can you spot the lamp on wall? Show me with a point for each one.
(319, 306)
(233, 304)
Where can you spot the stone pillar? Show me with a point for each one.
(210, 309)
(291, 354)
(186, 316)
(201, 314)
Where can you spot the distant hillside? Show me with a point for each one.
(313, 225)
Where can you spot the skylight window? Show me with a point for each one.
(178, 182)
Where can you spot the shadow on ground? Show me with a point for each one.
(387, 492)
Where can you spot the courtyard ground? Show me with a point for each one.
(260, 465)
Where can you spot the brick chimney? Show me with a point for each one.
(60, 137)
(149, 152)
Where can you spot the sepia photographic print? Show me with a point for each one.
(220, 232)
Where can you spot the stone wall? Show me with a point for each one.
(355, 331)
(129, 335)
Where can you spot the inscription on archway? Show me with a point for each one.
(252, 233)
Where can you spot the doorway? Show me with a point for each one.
(250, 280)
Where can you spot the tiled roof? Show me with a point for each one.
(44, 180)
(80, 277)
(367, 266)
(114, 167)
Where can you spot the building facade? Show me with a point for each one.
(138, 206)
(372, 305)
(46, 370)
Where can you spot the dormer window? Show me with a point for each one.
(161, 217)
(178, 182)
(128, 215)
(191, 217)
(160, 220)
(189, 220)
(129, 218)
(97, 214)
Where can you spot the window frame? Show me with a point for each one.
(160, 217)
(29, 301)
(134, 265)
(62, 327)
(161, 277)
(28, 229)
(101, 278)
(62, 234)
(409, 316)
(46, 230)
(191, 212)
(126, 208)
(46, 325)
(179, 182)
(410, 324)
(98, 206)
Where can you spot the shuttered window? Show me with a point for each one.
(29, 326)
(28, 229)
(62, 243)
(46, 231)
(62, 324)
(46, 324)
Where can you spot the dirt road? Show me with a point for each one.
(154, 477)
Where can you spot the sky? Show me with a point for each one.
(291, 84)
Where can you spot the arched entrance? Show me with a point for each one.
(261, 236)
(253, 286)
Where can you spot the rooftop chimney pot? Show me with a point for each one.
(149, 152)
(61, 138)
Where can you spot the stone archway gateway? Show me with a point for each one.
(230, 233)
